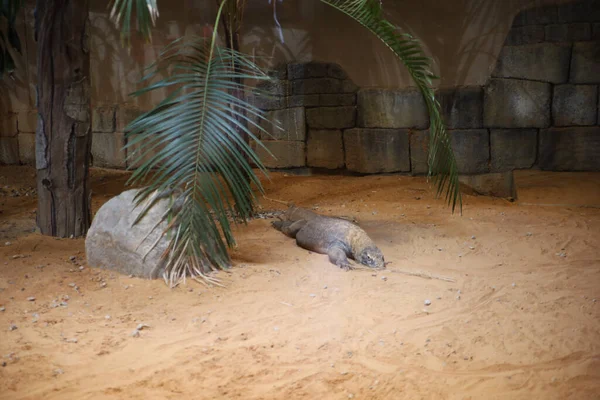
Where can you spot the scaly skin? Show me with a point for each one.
(338, 238)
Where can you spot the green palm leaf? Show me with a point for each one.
(442, 164)
(201, 152)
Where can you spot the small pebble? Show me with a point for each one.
(313, 295)
(427, 302)
(3, 363)
(384, 278)
(72, 258)
(31, 298)
(529, 234)
(350, 396)
(458, 297)
(58, 371)
(4, 309)
(7, 243)
(12, 327)
(81, 268)
(135, 333)
(325, 287)
(514, 284)
(107, 317)
(72, 340)
(473, 237)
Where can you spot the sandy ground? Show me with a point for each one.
(520, 320)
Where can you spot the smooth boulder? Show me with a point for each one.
(114, 242)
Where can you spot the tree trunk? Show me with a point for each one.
(63, 137)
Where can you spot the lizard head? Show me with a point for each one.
(372, 257)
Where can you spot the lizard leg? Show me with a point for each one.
(289, 228)
(338, 257)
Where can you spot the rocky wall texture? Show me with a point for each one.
(539, 109)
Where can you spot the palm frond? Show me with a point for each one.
(146, 12)
(196, 127)
(441, 160)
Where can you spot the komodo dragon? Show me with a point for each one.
(336, 237)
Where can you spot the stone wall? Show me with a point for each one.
(539, 109)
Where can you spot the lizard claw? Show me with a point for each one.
(344, 265)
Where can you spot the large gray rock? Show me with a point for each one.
(514, 103)
(495, 184)
(113, 242)
(472, 150)
(520, 35)
(104, 119)
(9, 150)
(513, 148)
(574, 105)
(284, 154)
(547, 62)
(585, 62)
(8, 125)
(377, 150)
(286, 124)
(325, 149)
(574, 32)
(392, 108)
(537, 16)
(108, 151)
(462, 107)
(27, 148)
(331, 117)
(570, 149)
(273, 87)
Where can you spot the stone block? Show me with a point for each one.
(547, 62)
(273, 87)
(521, 35)
(284, 154)
(9, 150)
(462, 107)
(390, 108)
(419, 152)
(579, 11)
(575, 32)
(537, 16)
(318, 86)
(268, 102)
(575, 105)
(108, 151)
(513, 148)
(27, 121)
(27, 148)
(308, 100)
(125, 114)
(307, 70)
(495, 184)
(279, 71)
(336, 71)
(513, 103)
(377, 150)
(325, 149)
(287, 124)
(570, 149)
(349, 87)
(585, 62)
(472, 150)
(104, 119)
(331, 117)
(342, 99)
(8, 125)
